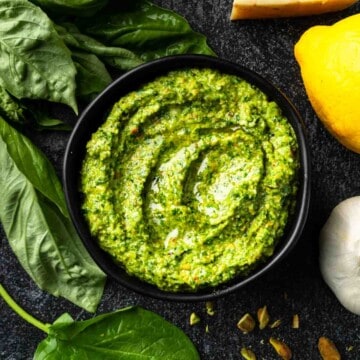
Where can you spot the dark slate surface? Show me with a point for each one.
(293, 287)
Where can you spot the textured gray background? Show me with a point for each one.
(267, 48)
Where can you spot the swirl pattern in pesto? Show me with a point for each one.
(191, 179)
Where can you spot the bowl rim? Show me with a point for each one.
(90, 120)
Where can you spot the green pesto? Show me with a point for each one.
(191, 179)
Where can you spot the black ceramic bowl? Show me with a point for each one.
(96, 113)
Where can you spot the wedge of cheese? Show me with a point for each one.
(260, 9)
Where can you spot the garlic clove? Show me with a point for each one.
(339, 246)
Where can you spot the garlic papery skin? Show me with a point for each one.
(340, 253)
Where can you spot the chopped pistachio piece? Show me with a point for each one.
(295, 321)
(246, 324)
(207, 328)
(327, 349)
(194, 319)
(281, 348)
(210, 308)
(263, 317)
(275, 324)
(247, 354)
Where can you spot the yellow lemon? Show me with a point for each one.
(329, 60)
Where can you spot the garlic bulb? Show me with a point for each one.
(340, 253)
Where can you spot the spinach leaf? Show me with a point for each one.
(41, 118)
(117, 57)
(129, 333)
(34, 61)
(92, 76)
(73, 7)
(31, 113)
(46, 122)
(10, 108)
(36, 221)
(145, 29)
